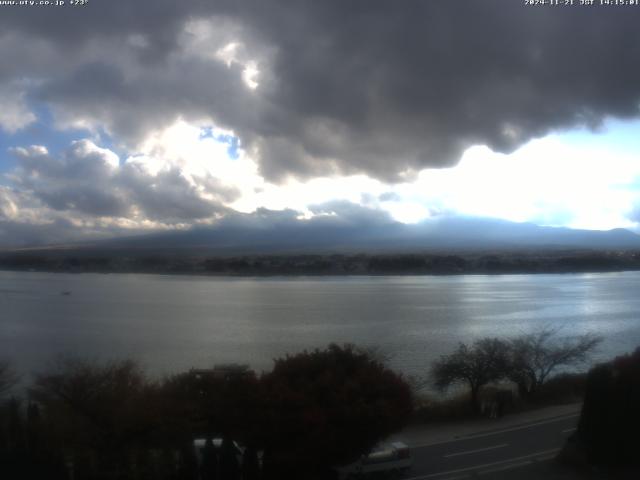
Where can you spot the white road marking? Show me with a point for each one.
(496, 432)
(567, 430)
(468, 452)
(502, 468)
(516, 460)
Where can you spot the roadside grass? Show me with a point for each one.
(562, 389)
(559, 390)
(431, 409)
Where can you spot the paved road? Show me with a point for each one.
(491, 451)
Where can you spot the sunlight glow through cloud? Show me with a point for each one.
(549, 181)
(192, 173)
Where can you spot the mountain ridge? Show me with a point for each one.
(277, 233)
(327, 234)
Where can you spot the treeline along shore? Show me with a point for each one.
(442, 263)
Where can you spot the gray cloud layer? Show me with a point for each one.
(89, 181)
(369, 86)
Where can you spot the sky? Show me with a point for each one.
(120, 118)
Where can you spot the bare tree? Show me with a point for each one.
(8, 378)
(534, 357)
(483, 362)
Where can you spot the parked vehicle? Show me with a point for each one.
(394, 458)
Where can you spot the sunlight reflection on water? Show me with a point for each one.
(171, 323)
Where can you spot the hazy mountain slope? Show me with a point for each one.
(246, 234)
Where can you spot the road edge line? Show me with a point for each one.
(485, 465)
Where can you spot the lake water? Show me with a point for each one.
(172, 323)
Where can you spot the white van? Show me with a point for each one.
(394, 458)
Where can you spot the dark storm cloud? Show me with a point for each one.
(70, 28)
(150, 98)
(411, 84)
(369, 86)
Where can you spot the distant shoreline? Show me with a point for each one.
(434, 264)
